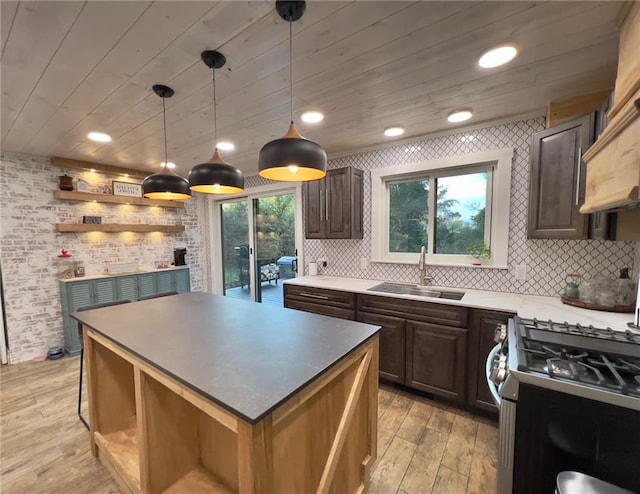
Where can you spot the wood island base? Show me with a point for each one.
(156, 435)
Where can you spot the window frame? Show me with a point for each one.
(498, 203)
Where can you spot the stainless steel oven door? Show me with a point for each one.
(489, 367)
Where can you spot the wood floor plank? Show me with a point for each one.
(385, 398)
(441, 421)
(460, 445)
(449, 482)
(423, 469)
(395, 414)
(415, 422)
(390, 470)
(487, 440)
(482, 477)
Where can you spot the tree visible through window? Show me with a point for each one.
(459, 216)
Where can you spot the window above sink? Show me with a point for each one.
(446, 205)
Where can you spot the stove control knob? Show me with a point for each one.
(502, 360)
(501, 333)
(498, 374)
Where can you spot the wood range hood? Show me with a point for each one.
(613, 162)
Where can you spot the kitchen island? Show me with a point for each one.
(201, 393)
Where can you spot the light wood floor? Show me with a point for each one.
(423, 446)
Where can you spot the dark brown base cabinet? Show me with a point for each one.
(392, 345)
(321, 301)
(436, 359)
(437, 348)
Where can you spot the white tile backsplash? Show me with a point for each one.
(547, 261)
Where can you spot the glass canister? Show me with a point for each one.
(65, 265)
(572, 290)
(65, 268)
(78, 269)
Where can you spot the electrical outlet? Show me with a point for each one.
(322, 263)
(363, 263)
(521, 272)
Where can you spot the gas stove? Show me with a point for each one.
(570, 390)
(602, 364)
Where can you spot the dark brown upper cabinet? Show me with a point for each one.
(333, 205)
(557, 180)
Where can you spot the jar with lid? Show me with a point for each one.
(572, 290)
(65, 268)
(78, 269)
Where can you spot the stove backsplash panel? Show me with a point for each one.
(547, 261)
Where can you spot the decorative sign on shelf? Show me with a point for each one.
(83, 186)
(92, 220)
(127, 189)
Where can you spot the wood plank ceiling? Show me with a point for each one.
(73, 67)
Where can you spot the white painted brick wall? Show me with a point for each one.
(29, 245)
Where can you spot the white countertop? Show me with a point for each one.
(112, 275)
(527, 306)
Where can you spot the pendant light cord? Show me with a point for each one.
(291, 67)
(164, 118)
(215, 116)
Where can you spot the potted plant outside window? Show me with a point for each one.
(478, 251)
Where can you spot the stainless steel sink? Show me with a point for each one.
(419, 290)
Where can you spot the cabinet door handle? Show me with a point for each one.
(326, 205)
(578, 178)
(321, 205)
(312, 295)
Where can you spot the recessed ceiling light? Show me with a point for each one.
(170, 165)
(459, 116)
(312, 117)
(99, 136)
(497, 56)
(394, 131)
(226, 146)
(93, 170)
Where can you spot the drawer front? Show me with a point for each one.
(323, 310)
(447, 315)
(321, 296)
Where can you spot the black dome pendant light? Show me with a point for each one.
(216, 176)
(165, 184)
(292, 158)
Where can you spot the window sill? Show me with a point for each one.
(443, 264)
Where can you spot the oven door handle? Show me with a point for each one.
(493, 388)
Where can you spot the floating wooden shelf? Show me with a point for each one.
(64, 195)
(115, 227)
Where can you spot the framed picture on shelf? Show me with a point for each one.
(126, 189)
(83, 186)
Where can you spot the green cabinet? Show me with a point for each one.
(84, 292)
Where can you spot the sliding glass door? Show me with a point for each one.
(258, 237)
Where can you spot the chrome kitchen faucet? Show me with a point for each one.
(422, 267)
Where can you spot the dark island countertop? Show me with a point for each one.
(248, 358)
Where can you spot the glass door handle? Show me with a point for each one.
(294, 265)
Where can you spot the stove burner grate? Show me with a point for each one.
(581, 330)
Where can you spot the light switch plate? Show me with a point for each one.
(521, 272)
